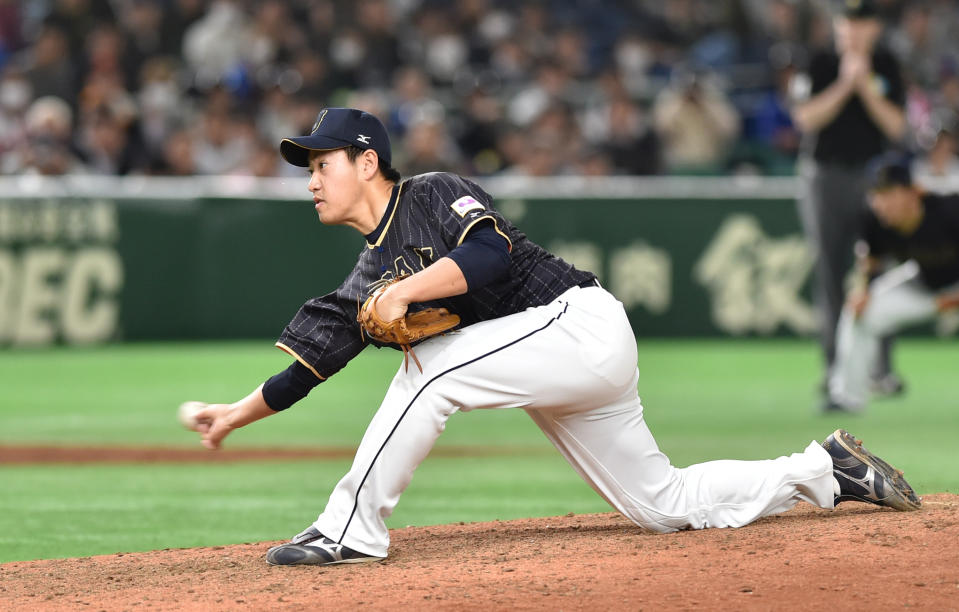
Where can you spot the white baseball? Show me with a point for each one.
(187, 414)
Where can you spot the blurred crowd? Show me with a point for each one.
(479, 87)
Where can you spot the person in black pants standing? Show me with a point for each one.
(852, 111)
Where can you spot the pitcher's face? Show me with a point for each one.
(335, 185)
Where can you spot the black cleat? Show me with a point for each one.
(313, 548)
(865, 477)
(887, 385)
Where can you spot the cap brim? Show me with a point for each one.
(297, 150)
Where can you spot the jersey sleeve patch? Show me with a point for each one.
(466, 204)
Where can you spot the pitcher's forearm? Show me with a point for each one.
(441, 280)
(251, 408)
(221, 419)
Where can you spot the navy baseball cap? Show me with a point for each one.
(337, 128)
(891, 170)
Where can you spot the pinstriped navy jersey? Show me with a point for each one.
(428, 216)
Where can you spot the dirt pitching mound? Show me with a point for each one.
(856, 557)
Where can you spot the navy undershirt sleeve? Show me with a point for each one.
(483, 256)
(289, 386)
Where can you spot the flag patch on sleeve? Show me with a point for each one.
(466, 204)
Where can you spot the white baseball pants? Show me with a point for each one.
(571, 365)
(897, 299)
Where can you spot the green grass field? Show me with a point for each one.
(704, 400)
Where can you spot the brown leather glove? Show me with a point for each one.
(407, 329)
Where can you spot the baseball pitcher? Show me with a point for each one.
(487, 319)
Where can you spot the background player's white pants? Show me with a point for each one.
(572, 366)
(897, 299)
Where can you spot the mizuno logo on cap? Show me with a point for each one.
(363, 139)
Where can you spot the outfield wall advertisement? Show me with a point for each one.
(61, 273)
(686, 266)
(81, 270)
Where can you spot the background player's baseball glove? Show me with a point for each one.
(407, 329)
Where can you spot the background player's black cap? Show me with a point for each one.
(336, 128)
(859, 9)
(891, 170)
